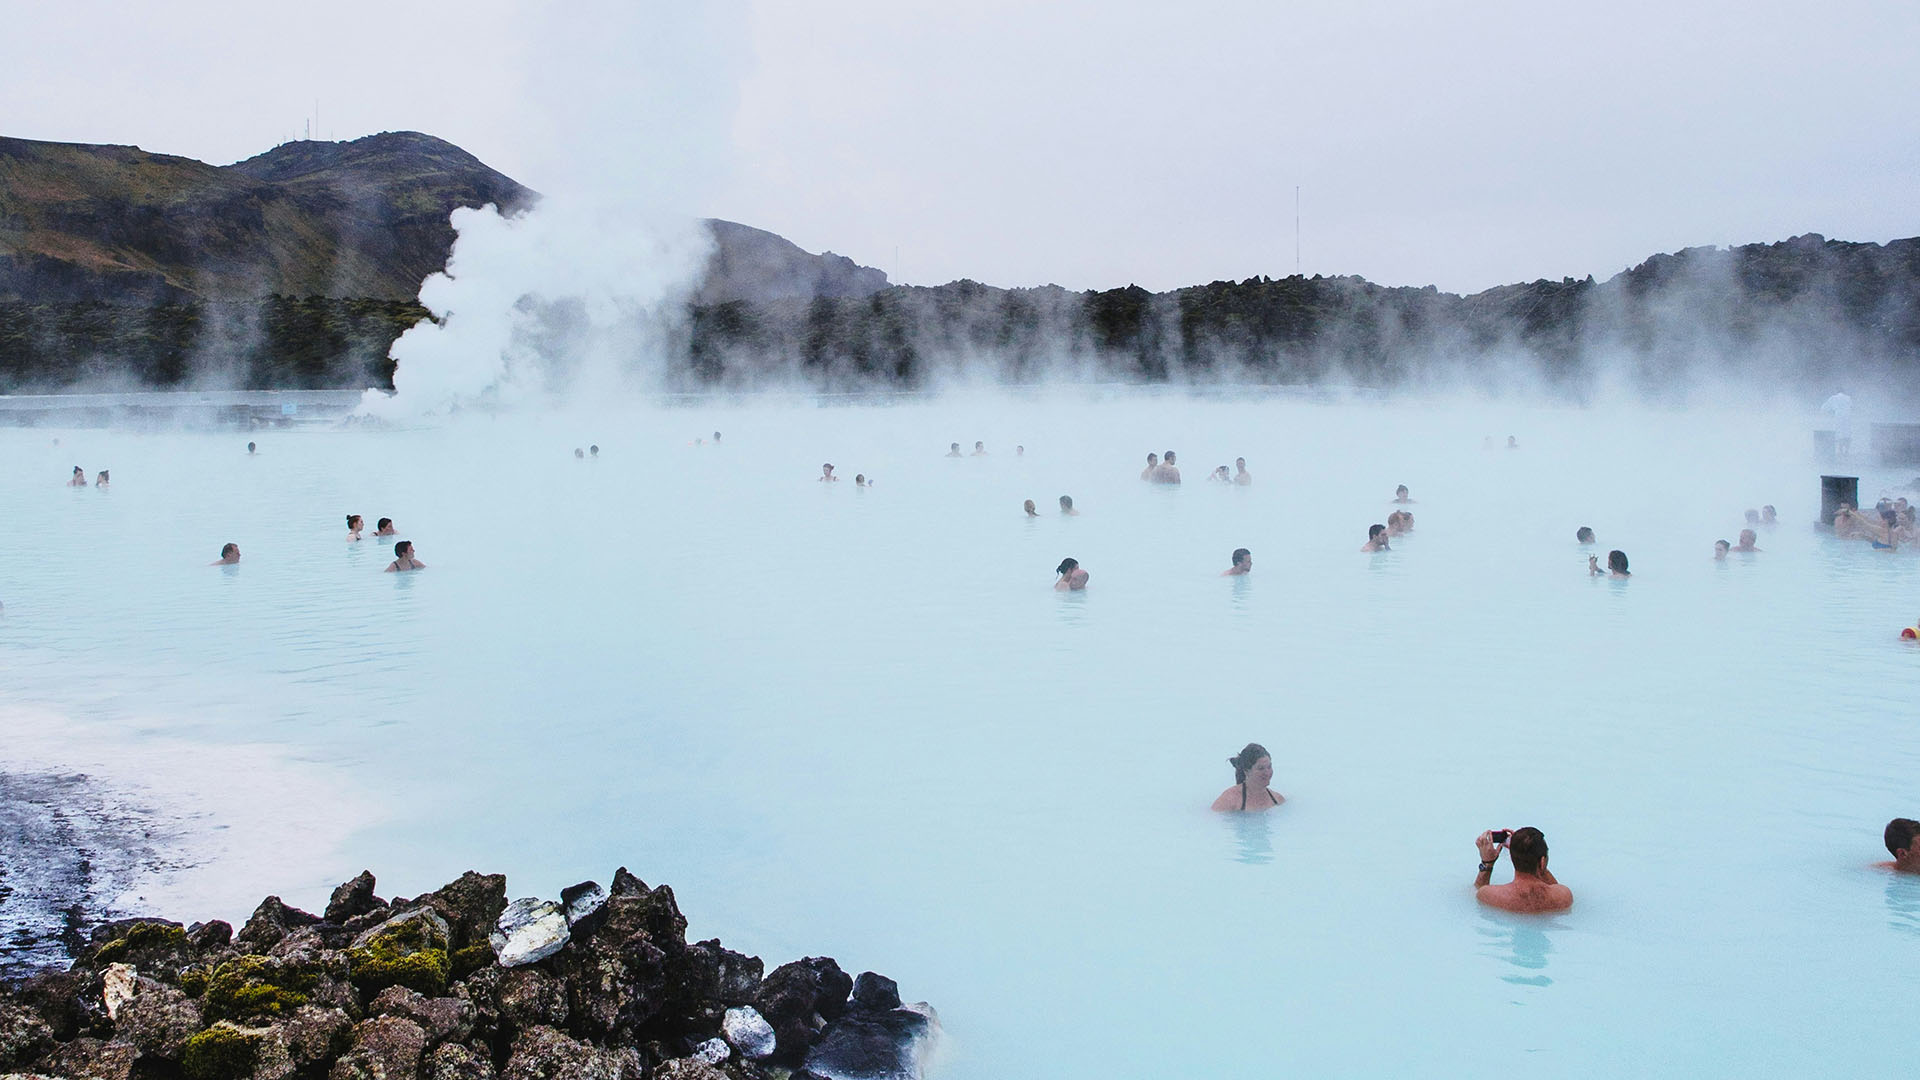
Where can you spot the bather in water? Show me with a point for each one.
(1072, 578)
(1616, 565)
(1252, 773)
(354, 524)
(403, 559)
(1153, 466)
(229, 554)
(1376, 539)
(1242, 563)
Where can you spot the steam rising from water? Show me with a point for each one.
(630, 102)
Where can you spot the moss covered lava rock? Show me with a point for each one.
(409, 950)
(256, 987)
(225, 1051)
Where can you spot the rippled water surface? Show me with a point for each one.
(860, 723)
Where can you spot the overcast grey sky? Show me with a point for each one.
(1090, 144)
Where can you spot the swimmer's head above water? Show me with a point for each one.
(1252, 788)
(1902, 837)
(1028, 507)
(1584, 535)
(229, 554)
(1071, 576)
(1066, 505)
(1720, 549)
(1242, 563)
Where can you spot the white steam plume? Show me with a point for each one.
(629, 107)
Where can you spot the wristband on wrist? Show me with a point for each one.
(1486, 868)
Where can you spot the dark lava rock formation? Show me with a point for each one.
(416, 990)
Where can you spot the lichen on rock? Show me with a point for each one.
(407, 950)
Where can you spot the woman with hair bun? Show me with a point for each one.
(1252, 772)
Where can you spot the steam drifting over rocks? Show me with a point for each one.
(457, 984)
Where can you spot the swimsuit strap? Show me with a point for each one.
(1243, 794)
(1275, 798)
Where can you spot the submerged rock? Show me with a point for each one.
(528, 931)
(875, 1045)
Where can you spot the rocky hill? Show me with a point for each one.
(298, 268)
(363, 220)
(295, 268)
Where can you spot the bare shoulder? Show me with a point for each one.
(1229, 799)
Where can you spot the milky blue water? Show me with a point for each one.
(860, 723)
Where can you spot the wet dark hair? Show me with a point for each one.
(1153, 457)
(1617, 561)
(1900, 833)
(1399, 489)
(825, 465)
(1583, 534)
(351, 518)
(1375, 530)
(1168, 456)
(1240, 553)
(594, 449)
(383, 523)
(1066, 565)
(1526, 847)
(249, 446)
(79, 471)
(231, 547)
(1724, 544)
(402, 548)
(1247, 758)
(1066, 502)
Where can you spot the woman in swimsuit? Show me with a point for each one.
(1252, 772)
